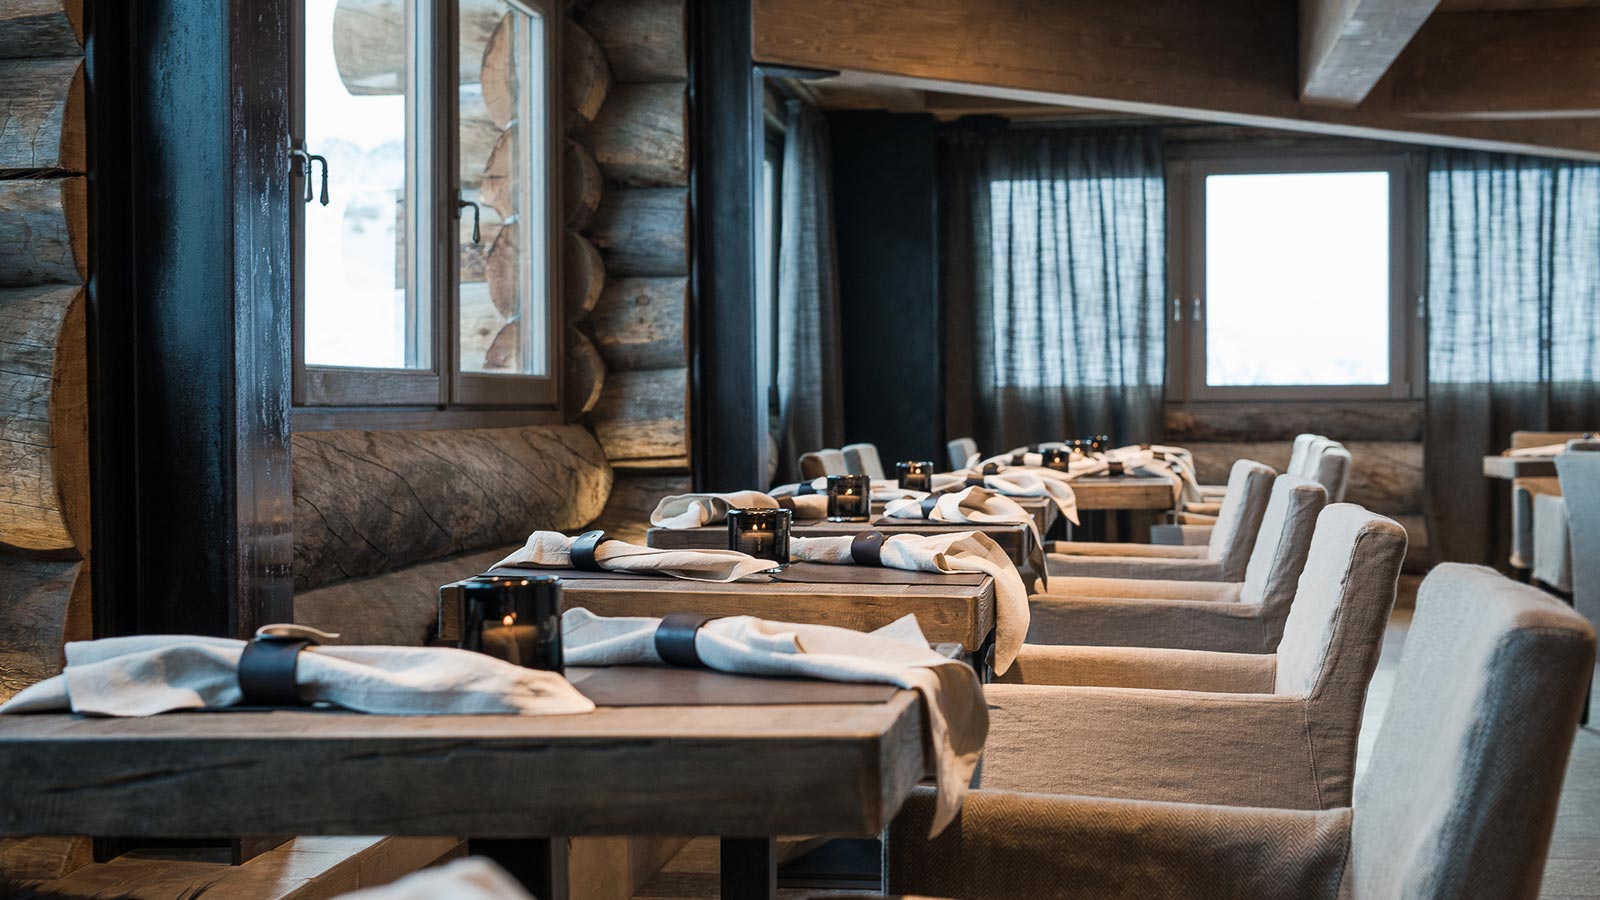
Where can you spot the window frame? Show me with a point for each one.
(439, 395)
(1187, 309)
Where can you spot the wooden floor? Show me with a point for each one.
(1573, 870)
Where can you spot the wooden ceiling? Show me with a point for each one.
(1509, 75)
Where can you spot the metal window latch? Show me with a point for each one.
(1194, 309)
(1177, 309)
(305, 161)
(463, 204)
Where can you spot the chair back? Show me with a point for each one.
(822, 462)
(1282, 544)
(1239, 518)
(1579, 471)
(862, 459)
(1300, 455)
(1461, 795)
(1331, 469)
(961, 449)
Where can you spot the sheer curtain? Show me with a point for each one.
(810, 387)
(1054, 275)
(1513, 328)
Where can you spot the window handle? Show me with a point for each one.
(324, 160)
(1194, 309)
(463, 204)
(1177, 309)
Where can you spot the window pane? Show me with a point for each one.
(1297, 279)
(358, 311)
(504, 276)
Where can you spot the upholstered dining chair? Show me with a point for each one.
(1223, 558)
(960, 450)
(1238, 617)
(1325, 461)
(1459, 799)
(822, 462)
(863, 459)
(1276, 729)
(1523, 490)
(1297, 466)
(1579, 471)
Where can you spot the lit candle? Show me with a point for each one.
(915, 475)
(514, 619)
(760, 532)
(1058, 458)
(849, 498)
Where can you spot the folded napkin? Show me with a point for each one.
(1018, 482)
(1546, 450)
(972, 504)
(695, 510)
(883, 490)
(473, 878)
(150, 674)
(964, 551)
(553, 550)
(898, 654)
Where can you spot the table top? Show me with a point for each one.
(959, 609)
(1106, 492)
(1015, 538)
(1510, 467)
(818, 768)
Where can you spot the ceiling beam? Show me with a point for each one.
(1347, 45)
(1493, 65)
(1233, 62)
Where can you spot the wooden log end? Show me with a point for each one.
(499, 73)
(41, 28)
(47, 605)
(581, 186)
(44, 447)
(645, 40)
(586, 75)
(584, 274)
(641, 135)
(585, 375)
(43, 119)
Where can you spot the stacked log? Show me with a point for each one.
(44, 442)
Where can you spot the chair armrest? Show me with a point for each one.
(1144, 667)
(1144, 567)
(1183, 746)
(1183, 533)
(1148, 622)
(1199, 521)
(1108, 548)
(1140, 588)
(1204, 507)
(1007, 845)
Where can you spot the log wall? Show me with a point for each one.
(44, 444)
(636, 325)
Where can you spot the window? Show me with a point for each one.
(1295, 279)
(424, 275)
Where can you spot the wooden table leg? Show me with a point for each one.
(539, 864)
(749, 868)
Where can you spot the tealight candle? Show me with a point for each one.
(849, 498)
(760, 532)
(516, 619)
(1058, 458)
(915, 475)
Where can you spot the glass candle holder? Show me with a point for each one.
(1058, 457)
(849, 498)
(517, 619)
(761, 532)
(915, 475)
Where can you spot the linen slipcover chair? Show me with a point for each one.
(1199, 726)
(1523, 490)
(1326, 462)
(961, 449)
(1223, 558)
(1552, 542)
(863, 459)
(1238, 617)
(1459, 799)
(822, 462)
(1302, 443)
(1579, 470)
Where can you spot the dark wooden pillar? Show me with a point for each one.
(729, 406)
(189, 317)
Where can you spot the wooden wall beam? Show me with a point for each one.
(1227, 61)
(44, 438)
(1347, 45)
(41, 114)
(31, 29)
(1494, 65)
(643, 39)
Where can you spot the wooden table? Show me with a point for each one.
(1119, 492)
(1015, 538)
(746, 773)
(1509, 468)
(950, 609)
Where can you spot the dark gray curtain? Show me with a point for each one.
(1513, 328)
(1054, 255)
(810, 389)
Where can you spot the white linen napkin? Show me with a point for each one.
(964, 551)
(898, 654)
(553, 550)
(696, 510)
(974, 504)
(150, 674)
(473, 878)
(1019, 482)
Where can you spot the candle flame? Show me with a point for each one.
(508, 620)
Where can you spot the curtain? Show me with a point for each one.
(1513, 328)
(1054, 253)
(810, 389)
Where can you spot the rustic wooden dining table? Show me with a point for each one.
(1510, 468)
(1015, 538)
(840, 762)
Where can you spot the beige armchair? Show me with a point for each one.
(822, 462)
(1223, 558)
(1323, 460)
(1459, 801)
(1242, 617)
(863, 459)
(1297, 466)
(1205, 727)
(960, 450)
(1579, 470)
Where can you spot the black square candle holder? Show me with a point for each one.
(915, 474)
(516, 618)
(849, 498)
(761, 532)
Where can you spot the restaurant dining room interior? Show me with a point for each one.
(669, 449)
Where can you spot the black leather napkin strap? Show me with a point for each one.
(805, 487)
(976, 480)
(267, 672)
(866, 549)
(675, 639)
(786, 503)
(928, 504)
(583, 550)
